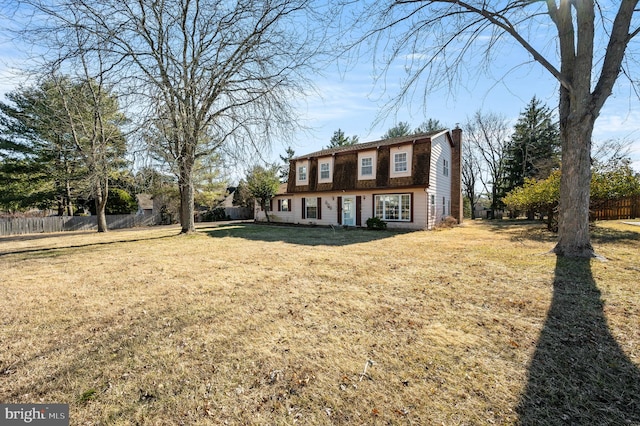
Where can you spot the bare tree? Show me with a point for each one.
(212, 74)
(76, 63)
(94, 121)
(471, 173)
(583, 44)
(488, 136)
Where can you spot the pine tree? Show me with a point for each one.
(284, 169)
(339, 139)
(401, 129)
(534, 149)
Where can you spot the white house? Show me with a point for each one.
(409, 182)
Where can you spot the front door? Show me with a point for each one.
(349, 211)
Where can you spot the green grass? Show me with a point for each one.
(257, 324)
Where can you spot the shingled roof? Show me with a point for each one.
(366, 145)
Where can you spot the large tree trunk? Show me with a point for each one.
(101, 204)
(185, 183)
(265, 208)
(573, 211)
(69, 206)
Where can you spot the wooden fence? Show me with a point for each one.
(35, 225)
(623, 208)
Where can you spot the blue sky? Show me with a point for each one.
(349, 100)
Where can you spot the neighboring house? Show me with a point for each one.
(148, 208)
(145, 204)
(234, 212)
(410, 182)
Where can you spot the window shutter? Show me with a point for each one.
(319, 208)
(339, 210)
(304, 208)
(411, 209)
(290, 205)
(358, 210)
(271, 204)
(279, 205)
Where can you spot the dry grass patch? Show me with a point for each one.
(248, 324)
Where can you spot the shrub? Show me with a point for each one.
(215, 215)
(376, 223)
(119, 201)
(447, 222)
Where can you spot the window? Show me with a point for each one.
(393, 207)
(367, 164)
(324, 171)
(311, 206)
(302, 173)
(283, 205)
(445, 168)
(400, 162)
(366, 167)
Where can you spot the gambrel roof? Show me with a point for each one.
(369, 145)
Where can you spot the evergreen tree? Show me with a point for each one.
(339, 139)
(534, 149)
(284, 169)
(242, 197)
(431, 125)
(401, 129)
(61, 141)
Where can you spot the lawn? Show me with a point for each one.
(253, 324)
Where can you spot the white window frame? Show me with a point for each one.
(284, 205)
(393, 207)
(302, 173)
(396, 162)
(370, 166)
(405, 151)
(445, 167)
(370, 154)
(325, 168)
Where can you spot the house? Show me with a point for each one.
(234, 212)
(145, 204)
(410, 182)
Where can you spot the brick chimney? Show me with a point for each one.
(456, 174)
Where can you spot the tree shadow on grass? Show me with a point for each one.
(579, 375)
(301, 235)
(519, 230)
(51, 251)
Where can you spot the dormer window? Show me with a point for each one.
(366, 166)
(302, 172)
(400, 162)
(324, 171)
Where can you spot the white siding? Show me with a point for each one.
(440, 185)
(329, 213)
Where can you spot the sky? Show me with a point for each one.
(346, 98)
(351, 102)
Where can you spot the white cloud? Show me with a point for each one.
(617, 124)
